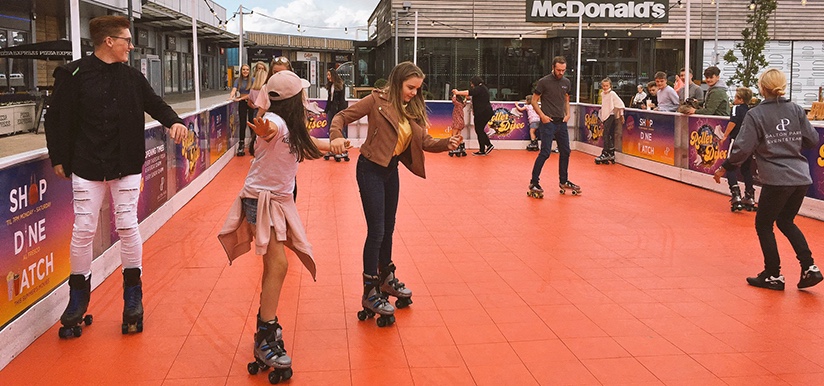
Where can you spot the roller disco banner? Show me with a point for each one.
(597, 11)
(816, 159)
(590, 127)
(706, 151)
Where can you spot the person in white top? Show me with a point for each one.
(611, 114)
(638, 100)
(264, 212)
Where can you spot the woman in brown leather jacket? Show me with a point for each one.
(396, 133)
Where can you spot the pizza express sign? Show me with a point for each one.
(602, 11)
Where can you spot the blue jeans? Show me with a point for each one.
(379, 188)
(746, 173)
(250, 209)
(548, 132)
(778, 205)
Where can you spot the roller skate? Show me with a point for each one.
(748, 202)
(535, 190)
(374, 302)
(73, 316)
(458, 152)
(269, 352)
(735, 199)
(603, 158)
(132, 301)
(390, 285)
(533, 145)
(576, 190)
(241, 149)
(342, 156)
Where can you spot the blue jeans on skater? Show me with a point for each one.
(379, 188)
(555, 129)
(746, 174)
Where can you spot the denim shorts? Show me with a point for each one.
(250, 209)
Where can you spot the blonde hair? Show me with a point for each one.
(248, 78)
(744, 93)
(772, 83)
(260, 78)
(416, 108)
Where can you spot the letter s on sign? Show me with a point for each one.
(821, 156)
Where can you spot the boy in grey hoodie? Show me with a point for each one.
(776, 131)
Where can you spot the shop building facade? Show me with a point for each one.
(511, 44)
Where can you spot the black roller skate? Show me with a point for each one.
(735, 199)
(79, 294)
(607, 156)
(241, 149)
(535, 190)
(374, 302)
(132, 301)
(576, 190)
(342, 156)
(269, 352)
(748, 202)
(390, 285)
(460, 151)
(533, 145)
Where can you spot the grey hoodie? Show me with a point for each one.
(775, 131)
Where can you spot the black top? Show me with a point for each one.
(94, 124)
(553, 92)
(335, 101)
(737, 115)
(480, 99)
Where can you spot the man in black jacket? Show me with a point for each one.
(94, 134)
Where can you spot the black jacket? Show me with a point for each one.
(134, 96)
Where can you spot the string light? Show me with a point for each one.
(752, 5)
(629, 33)
(520, 37)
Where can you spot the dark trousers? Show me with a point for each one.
(245, 114)
(609, 133)
(379, 188)
(480, 120)
(746, 174)
(548, 132)
(779, 205)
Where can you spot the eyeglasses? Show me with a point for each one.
(128, 40)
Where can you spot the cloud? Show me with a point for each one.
(310, 16)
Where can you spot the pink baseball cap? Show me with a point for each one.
(284, 85)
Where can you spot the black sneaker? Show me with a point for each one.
(489, 149)
(765, 280)
(810, 277)
(478, 153)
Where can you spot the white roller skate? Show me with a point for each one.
(374, 302)
(576, 190)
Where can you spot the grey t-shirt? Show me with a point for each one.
(553, 92)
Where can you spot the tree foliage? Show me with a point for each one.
(755, 38)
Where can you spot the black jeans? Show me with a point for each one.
(779, 205)
(379, 188)
(746, 174)
(609, 133)
(480, 120)
(548, 132)
(245, 114)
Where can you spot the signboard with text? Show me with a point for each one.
(650, 136)
(597, 11)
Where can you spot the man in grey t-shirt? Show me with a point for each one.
(553, 93)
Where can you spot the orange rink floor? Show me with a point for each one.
(638, 281)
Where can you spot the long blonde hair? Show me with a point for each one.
(248, 78)
(772, 83)
(416, 108)
(260, 78)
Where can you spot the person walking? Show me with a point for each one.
(611, 115)
(240, 94)
(481, 110)
(396, 134)
(95, 137)
(776, 131)
(335, 102)
(553, 93)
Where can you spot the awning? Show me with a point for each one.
(49, 50)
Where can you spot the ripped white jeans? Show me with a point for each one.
(88, 199)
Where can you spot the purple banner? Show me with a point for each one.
(318, 123)
(218, 134)
(192, 155)
(507, 122)
(233, 121)
(37, 219)
(706, 151)
(816, 160)
(590, 127)
(650, 136)
(154, 189)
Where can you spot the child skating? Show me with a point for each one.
(534, 122)
(265, 213)
(458, 123)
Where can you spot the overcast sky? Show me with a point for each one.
(332, 15)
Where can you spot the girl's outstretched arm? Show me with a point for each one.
(323, 145)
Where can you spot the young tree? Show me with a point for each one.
(752, 47)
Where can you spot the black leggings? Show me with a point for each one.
(481, 119)
(779, 205)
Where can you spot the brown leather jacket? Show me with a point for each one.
(383, 133)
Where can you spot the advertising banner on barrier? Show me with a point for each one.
(154, 189)
(816, 160)
(191, 156)
(440, 119)
(590, 127)
(318, 123)
(233, 122)
(508, 122)
(37, 220)
(706, 151)
(650, 136)
(218, 134)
